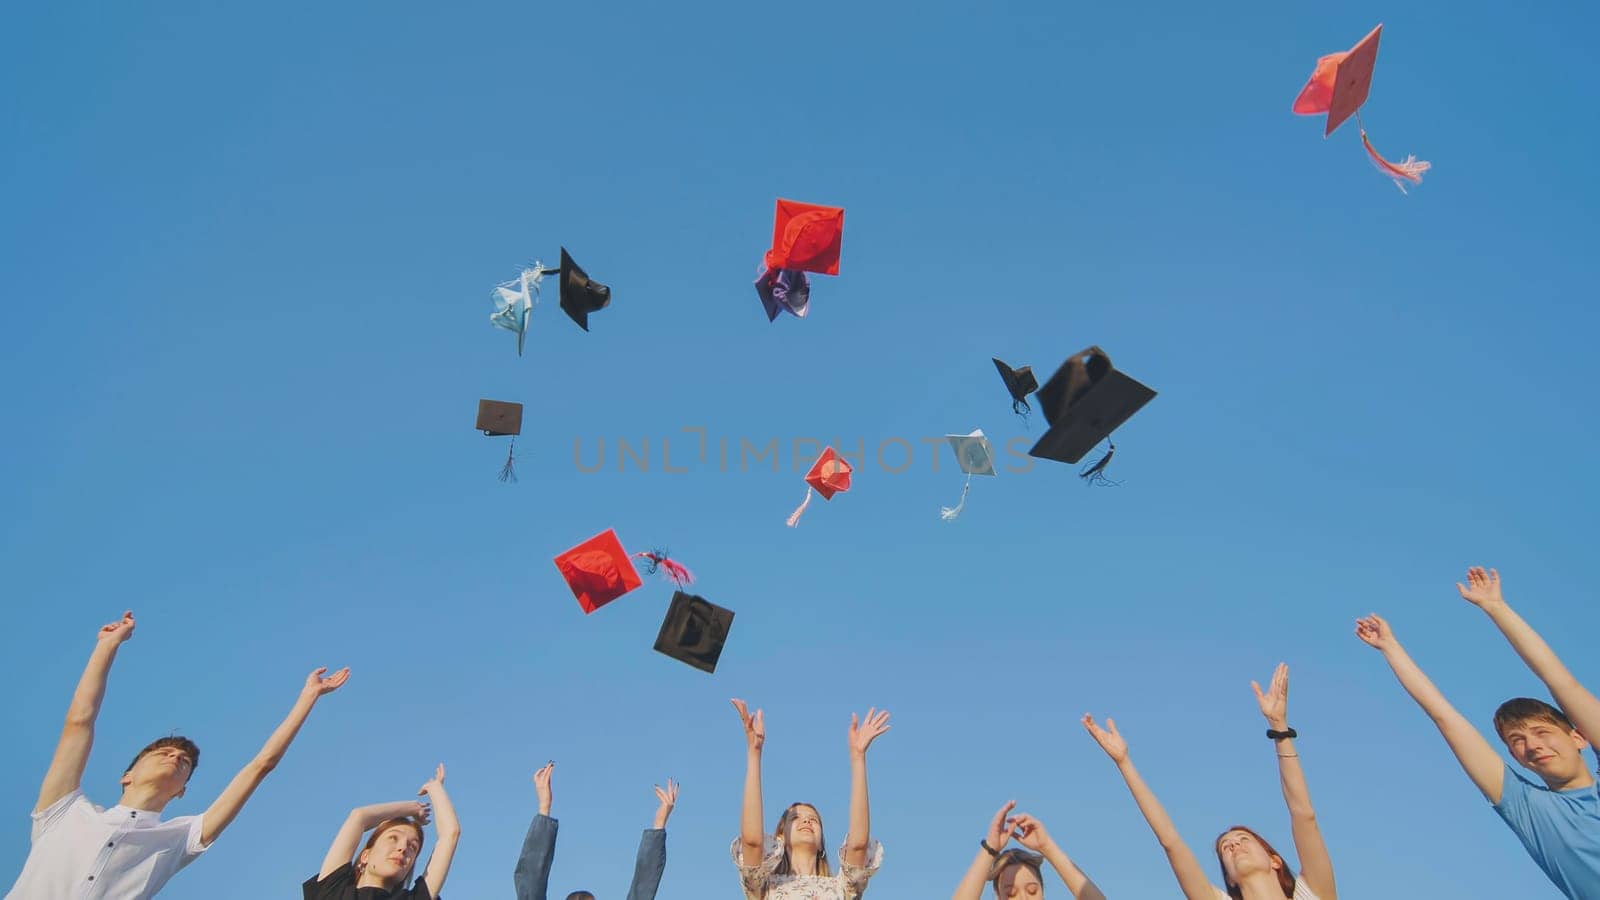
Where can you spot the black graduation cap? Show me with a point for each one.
(498, 418)
(1084, 401)
(1020, 383)
(579, 294)
(694, 631)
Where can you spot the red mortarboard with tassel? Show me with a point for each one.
(1339, 87)
(830, 475)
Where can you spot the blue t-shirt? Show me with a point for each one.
(1561, 830)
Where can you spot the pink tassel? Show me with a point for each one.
(794, 517)
(1411, 170)
(675, 570)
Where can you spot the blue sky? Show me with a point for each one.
(247, 258)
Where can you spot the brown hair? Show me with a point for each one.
(377, 832)
(1518, 710)
(782, 831)
(1014, 857)
(189, 748)
(1285, 877)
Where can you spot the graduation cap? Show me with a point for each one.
(694, 631)
(975, 455)
(514, 301)
(498, 418)
(580, 295)
(598, 571)
(830, 475)
(1339, 87)
(1084, 401)
(805, 238)
(1019, 383)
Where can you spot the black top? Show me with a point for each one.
(341, 885)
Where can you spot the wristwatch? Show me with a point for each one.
(1281, 735)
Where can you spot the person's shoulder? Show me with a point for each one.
(320, 887)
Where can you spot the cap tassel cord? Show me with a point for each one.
(949, 513)
(1410, 170)
(794, 517)
(507, 471)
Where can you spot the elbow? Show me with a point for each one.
(1303, 814)
(853, 846)
(262, 765)
(447, 834)
(79, 718)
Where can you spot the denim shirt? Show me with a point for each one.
(539, 851)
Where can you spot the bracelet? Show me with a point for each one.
(984, 843)
(1282, 735)
(1288, 756)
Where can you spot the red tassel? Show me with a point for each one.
(1411, 170)
(674, 569)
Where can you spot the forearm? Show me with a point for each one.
(538, 853)
(750, 814)
(365, 817)
(1296, 793)
(278, 742)
(971, 886)
(649, 865)
(1419, 686)
(445, 823)
(1074, 878)
(860, 832)
(1185, 866)
(91, 689)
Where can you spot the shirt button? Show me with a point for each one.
(110, 843)
(91, 877)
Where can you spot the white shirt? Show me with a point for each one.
(85, 852)
(1301, 892)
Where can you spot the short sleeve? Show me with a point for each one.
(755, 879)
(51, 816)
(193, 847)
(420, 890)
(1514, 806)
(854, 878)
(339, 882)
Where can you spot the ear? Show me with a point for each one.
(361, 861)
(1579, 739)
(126, 779)
(1277, 861)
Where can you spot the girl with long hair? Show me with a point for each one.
(382, 870)
(1017, 874)
(792, 863)
(1251, 868)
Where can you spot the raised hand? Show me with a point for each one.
(1000, 827)
(1031, 833)
(1375, 633)
(1482, 588)
(1108, 738)
(433, 784)
(669, 799)
(119, 631)
(755, 727)
(1275, 701)
(541, 784)
(316, 685)
(863, 733)
(419, 811)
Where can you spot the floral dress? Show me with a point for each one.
(760, 883)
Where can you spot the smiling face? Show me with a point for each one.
(390, 854)
(804, 827)
(1546, 748)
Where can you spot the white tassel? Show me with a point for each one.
(948, 513)
(794, 517)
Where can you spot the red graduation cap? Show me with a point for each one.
(806, 237)
(1338, 87)
(598, 571)
(830, 475)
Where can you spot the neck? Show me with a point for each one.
(803, 860)
(144, 798)
(1261, 886)
(368, 879)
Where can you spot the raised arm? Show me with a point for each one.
(344, 845)
(1480, 760)
(862, 734)
(532, 877)
(1316, 867)
(1582, 707)
(446, 830)
(1031, 834)
(971, 886)
(65, 774)
(1191, 877)
(750, 832)
(220, 814)
(651, 860)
